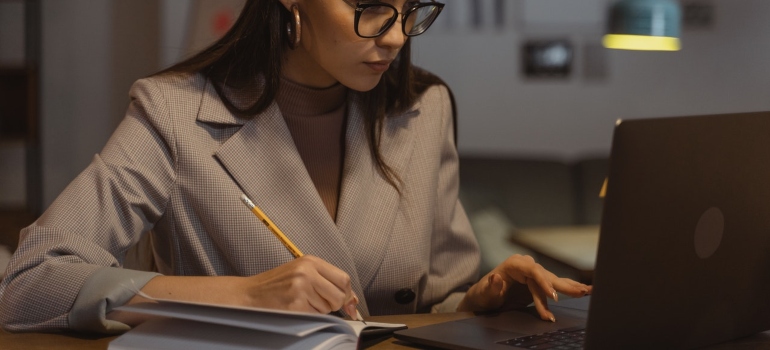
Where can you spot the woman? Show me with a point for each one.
(313, 110)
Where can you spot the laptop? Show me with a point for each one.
(684, 249)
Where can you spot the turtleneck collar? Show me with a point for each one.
(296, 99)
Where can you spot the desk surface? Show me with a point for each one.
(44, 341)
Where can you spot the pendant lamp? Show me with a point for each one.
(644, 25)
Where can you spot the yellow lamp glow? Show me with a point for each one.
(641, 42)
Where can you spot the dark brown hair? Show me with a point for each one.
(249, 56)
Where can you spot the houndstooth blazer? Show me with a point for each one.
(177, 166)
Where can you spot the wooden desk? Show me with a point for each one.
(42, 341)
(571, 246)
(45, 341)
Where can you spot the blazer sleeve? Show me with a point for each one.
(455, 256)
(66, 273)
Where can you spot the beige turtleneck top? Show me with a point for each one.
(316, 120)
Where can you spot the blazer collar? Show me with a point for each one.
(213, 111)
(368, 204)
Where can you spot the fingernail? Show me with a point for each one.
(350, 309)
(553, 319)
(554, 295)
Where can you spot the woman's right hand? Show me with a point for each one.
(307, 284)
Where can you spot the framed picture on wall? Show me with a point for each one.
(547, 58)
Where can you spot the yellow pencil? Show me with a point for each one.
(277, 232)
(271, 226)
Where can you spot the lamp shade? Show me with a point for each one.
(644, 25)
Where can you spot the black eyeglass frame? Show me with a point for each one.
(359, 7)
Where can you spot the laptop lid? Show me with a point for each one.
(684, 245)
(684, 248)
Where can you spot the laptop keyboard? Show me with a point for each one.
(568, 338)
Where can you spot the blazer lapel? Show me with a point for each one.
(262, 158)
(368, 204)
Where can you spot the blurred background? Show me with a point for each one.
(537, 93)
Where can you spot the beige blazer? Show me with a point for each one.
(178, 164)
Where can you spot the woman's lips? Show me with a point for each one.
(379, 66)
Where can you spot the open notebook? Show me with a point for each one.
(192, 326)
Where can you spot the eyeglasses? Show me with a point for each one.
(374, 19)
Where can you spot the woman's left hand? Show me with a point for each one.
(517, 282)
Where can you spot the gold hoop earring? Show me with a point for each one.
(294, 30)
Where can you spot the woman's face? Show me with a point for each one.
(330, 51)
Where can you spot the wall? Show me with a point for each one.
(721, 69)
(12, 151)
(173, 21)
(11, 32)
(92, 50)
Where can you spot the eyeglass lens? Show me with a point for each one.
(377, 19)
